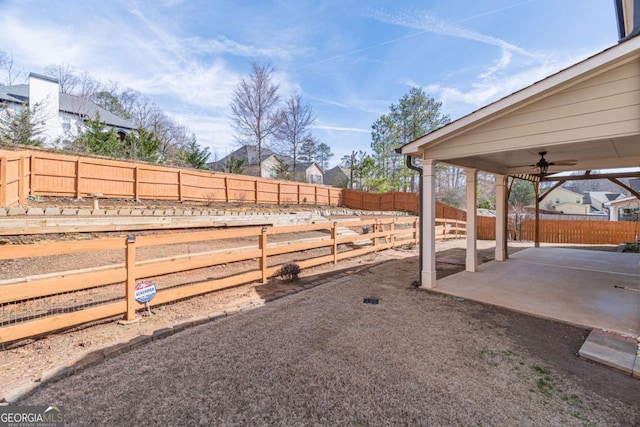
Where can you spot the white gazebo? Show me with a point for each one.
(588, 113)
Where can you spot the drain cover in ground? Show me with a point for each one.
(370, 301)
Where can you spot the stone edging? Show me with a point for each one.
(52, 211)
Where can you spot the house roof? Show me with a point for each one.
(506, 136)
(603, 196)
(68, 103)
(622, 201)
(337, 175)
(303, 166)
(573, 189)
(248, 153)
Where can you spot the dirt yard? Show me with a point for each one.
(322, 357)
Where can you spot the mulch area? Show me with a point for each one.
(323, 357)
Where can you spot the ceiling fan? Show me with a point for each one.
(543, 165)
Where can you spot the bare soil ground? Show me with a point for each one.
(26, 360)
(71, 202)
(322, 357)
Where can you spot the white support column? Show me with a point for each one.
(428, 224)
(501, 217)
(472, 220)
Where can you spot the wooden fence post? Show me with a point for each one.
(376, 241)
(32, 172)
(334, 239)
(226, 189)
(263, 257)
(130, 262)
(21, 195)
(316, 195)
(180, 185)
(279, 193)
(298, 193)
(136, 183)
(3, 182)
(78, 178)
(393, 232)
(257, 192)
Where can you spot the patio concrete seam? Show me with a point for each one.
(579, 268)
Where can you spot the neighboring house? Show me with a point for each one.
(311, 172)
(565, 200)
(62, 114)
(338, 176)
(249, 155)
(597, 199)
(308, 172)
(624, 209)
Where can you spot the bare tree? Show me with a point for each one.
(254, 107)
(66, 76)
(9, 66)
(295, 120)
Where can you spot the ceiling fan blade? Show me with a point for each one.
(564, 163)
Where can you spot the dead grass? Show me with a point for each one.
(322, 357)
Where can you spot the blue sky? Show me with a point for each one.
(349, 59)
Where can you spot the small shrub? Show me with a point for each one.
(289, 272)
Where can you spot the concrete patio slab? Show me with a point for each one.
(580, 287)
(611, 349)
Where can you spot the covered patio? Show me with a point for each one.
(583, 118)
(590, 289)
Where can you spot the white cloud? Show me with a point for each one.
(428, 23)
(341, 129)
(181, 74)
(513, 70)
(487, 88)
(222, 45)
(41, 45)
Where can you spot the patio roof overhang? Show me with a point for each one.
(588, 113)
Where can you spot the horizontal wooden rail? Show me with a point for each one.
(285, 229)
(304, 246)
(60, 321)
(178, 264)
(60, 248)
(387, 234)
(173, 294)
(56, 283)
(173, 239)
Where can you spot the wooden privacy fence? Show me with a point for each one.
(396, 201)
(585, 232)
(566, 231)
(32, 172)
(35, 172)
